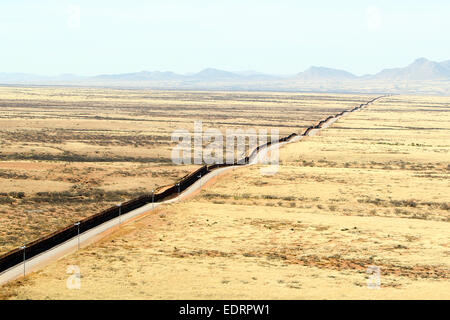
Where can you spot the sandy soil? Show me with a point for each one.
(369, 192)
(67, 153)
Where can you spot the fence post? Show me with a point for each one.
(120, 211)
(153, 198)
(23, 248)
(78, 225)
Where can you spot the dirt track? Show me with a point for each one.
(87, 237)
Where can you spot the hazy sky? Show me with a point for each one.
(280, 37)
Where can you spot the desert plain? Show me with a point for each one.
(371, 192)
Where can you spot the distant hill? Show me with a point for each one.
(20, 77)
(28, 77)
(420, 69)
(208, 74)
(445, 64)
(211, 74)
(140, 76)
(409, 79)
(322, 73)
(254, 75)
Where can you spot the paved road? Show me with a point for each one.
(92, 235)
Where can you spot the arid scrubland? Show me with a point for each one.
(371, 191)
(67, 153)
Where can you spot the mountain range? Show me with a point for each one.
(313, 79)
(208, 74)
(420, 69)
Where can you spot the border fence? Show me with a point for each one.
(16, 256)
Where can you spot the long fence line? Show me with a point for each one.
(32, 249)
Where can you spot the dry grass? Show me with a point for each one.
(67, 153)
(370, 190)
